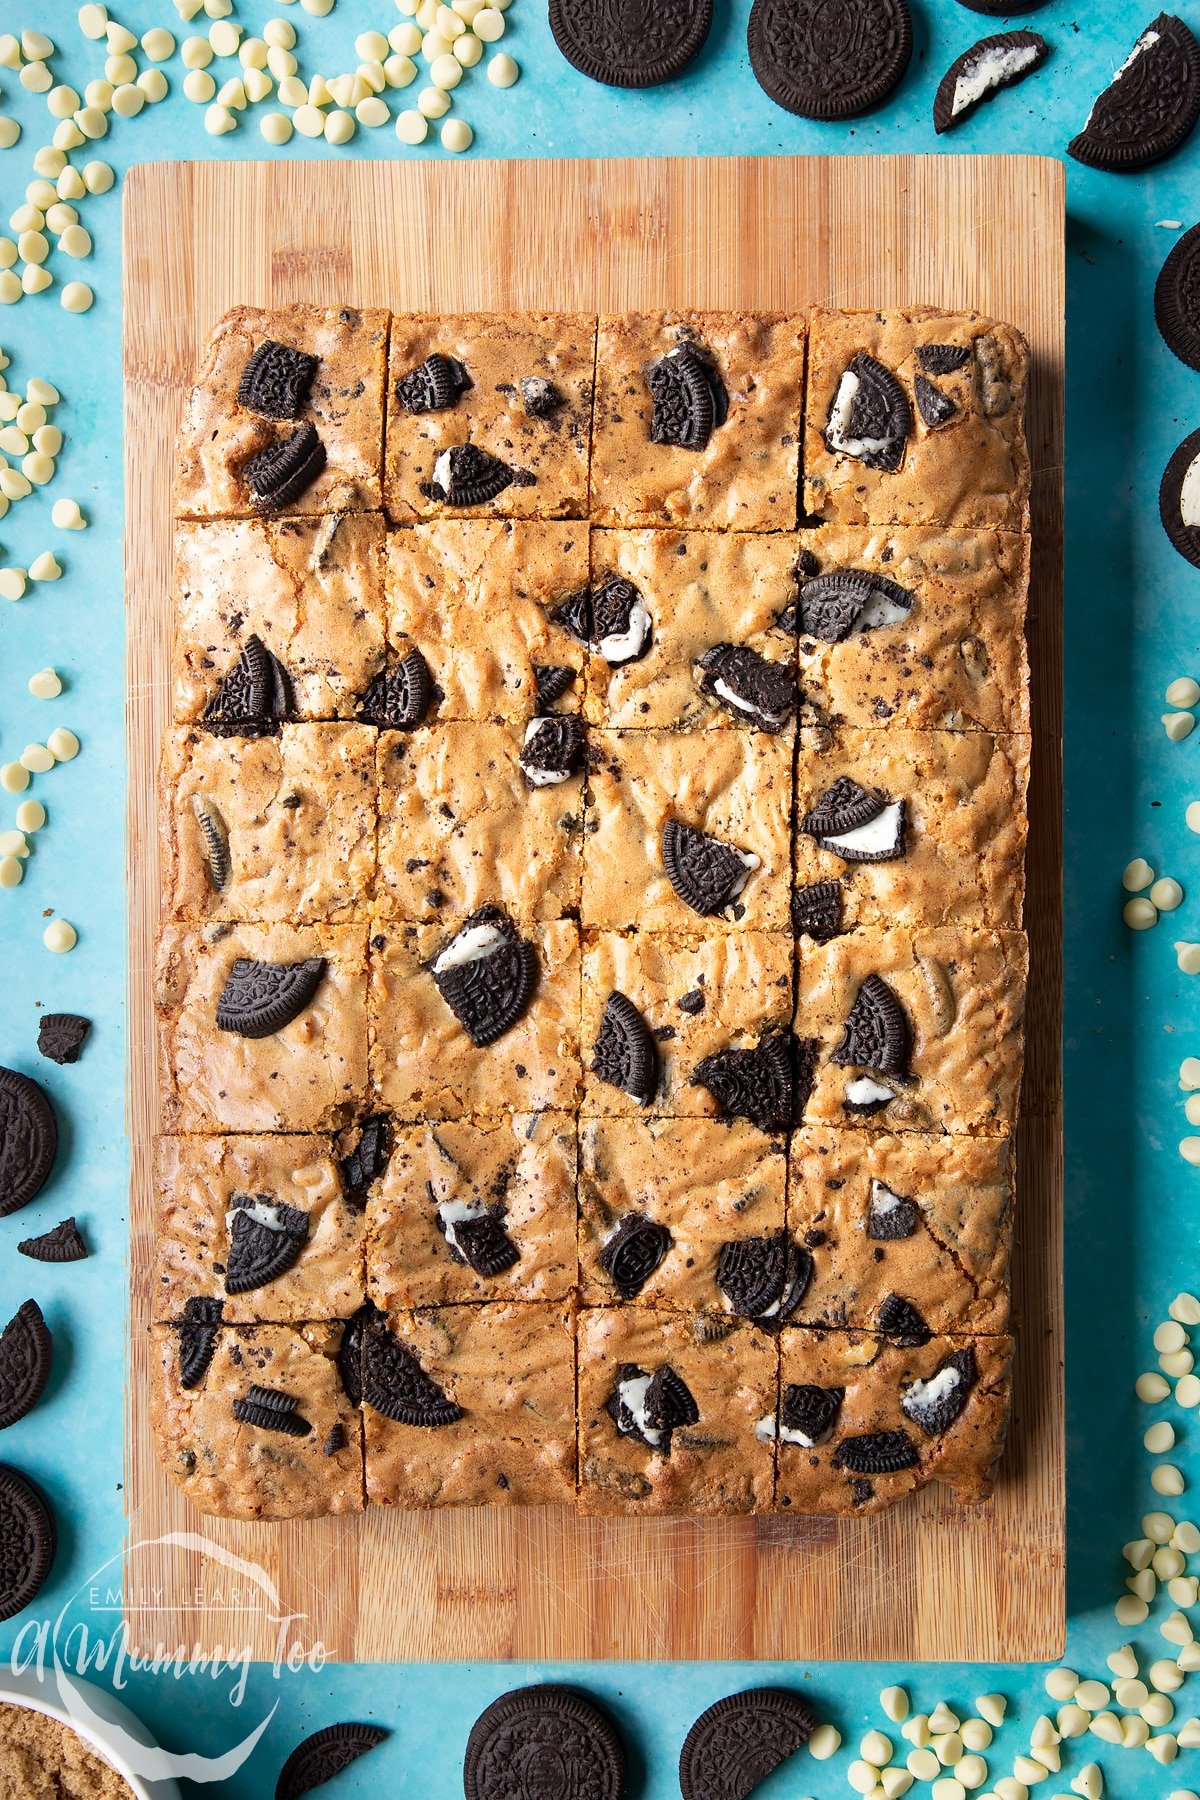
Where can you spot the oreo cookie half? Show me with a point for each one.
(28, 1540)
(944, 359)
(763, 1278)
(620, 626)
(543, 1741)
(433, 386)
(323, 1755)
(265, 1240)
(254, 698)
(1150, 107)
(934, 1405)
(63, 1244)
(279, 474)
(633, 1251)
(1177, 299)
(876, 1453)
(825, 64)
(831, 607)
(736, 1743)
(486, 975)
(634, 45)
(876, 1034)
(979, 74)
(748, 686)
(768, 1085)
(1179, 499)
(260, 998)
(396, 1385)
(275, 383)
(651, 1407)
(28, 1140)
(817, 911)
(465, 475)
(689, 399)
(476, 1235)
(870, 418)
(625, 1054)
(856, 824)
(706, 873)
(26, 1355)
(197, 1338)
(61, 1036)
(399, 696)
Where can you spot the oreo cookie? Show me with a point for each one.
(399, 696)
(890, 1216)
(434, 385)
(553, 749)
(61, 1036)
(808, 1413)
(876, 1453)
(28, 1540)
(625, 1054)
(63, 1244)
(764, 1278)
(465, 475)
(538, 1742)
(28, 1140)
(651, 1407)
(856, 823)
(395, 1384)
(279, 474)
(935, 407)
(1179, 499)
(197, 1338)
(933, 1405)
(276, 381)
(823, 66)
(830, 607)
(368, 1159)
(706, 873)
(265, 1240)
(261, 998)
(323, 1755)
(476, 1235)
(270, 1409)
(748, 686)
(975, 76)
(737, 1742)
(876, 1034)
(633, 1251)
(817, 911)
(1177, 299)
(688, 398)
(26, 1356)
(870, 418)
(486, 975)
(254, 698)
(768, 1085)
(550, 682)
(635, 45)
(1150, 107)
(899, 1321)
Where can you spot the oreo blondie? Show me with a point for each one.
(591, 974)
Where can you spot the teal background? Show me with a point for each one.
(1132, 612)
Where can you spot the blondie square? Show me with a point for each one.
(238, 409)
(310, 590)
(862, 1422)
(269, 827)
(673, 814)
(667, 1413)
(475, 1210)
(293, 1452)
(928, 1219)
(659, 1199)
(480, 600)
(706, 592)
(916, 827)
(695, 995)
(260, 1223)
(914, 626)
(915, 1029)
(291, 1054)
(698, 420)
(503, 1380)
(461, 825)
(516, 387)
(915, 418)
(425, 1065)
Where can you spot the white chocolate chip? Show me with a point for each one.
(45, 567)
(309, 121)
(276, 128)
(861, 1777)
(1183, 1592)
(37, 758)
(36, 78)
(1061, 1684)
(199, 87)
(433, 102)
(1182, 692)
(1188, 1737)
(1163, 1749)
(1123, 1662)
(77, 297)
(488, 24)
(66, 515)
(120, 70)
(1152, 1388)
(1106, 1725)
(457, 136)
(224, 36)
(992, 1708)
(12, 843)
(1166, 894)
(876, 1749)
(916, 1730)
(1187, 956)
(445, 72)
(12, 872)
(279, 34)
(31, 815)
(339, 127)
(12, 584)
(467, 49)
(1072, 1721)
(894, 1702)
(14, 778)
(93, 20)
(1158, 1438)
(1140, 914)
(10, 287)
(63, 744)
(923, 1765)
(1167, 1479)
(45, 685)
(372, 111)
(1170, 1335)
(60, 936)
(413, 128)
(1044, 1733)
(1129, 1610)
(1178, 725)
(280, 62)
(976, 1734)
(97, 177)
(38, 468)
(158, 44)
(120, 39)
(1166, 1562)
(825, 1741)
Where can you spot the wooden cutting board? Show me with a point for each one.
(926, 1580)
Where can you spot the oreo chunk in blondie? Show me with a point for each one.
(265, 1428)
(667, 1414)
(475, 1210)
(688, 832)
(484, 602)
(698, 420)
(715, 654)
(261, 1027)
(309, 590)
(276, 827)
(659, 1199)
(915, 417)
(917, 1029)
(425, 1062)
(695, 996)
(862, 1421)
(917, 827)
(269, 377)
(259, 1223)
(489, 414)
(470, 1406)
(463, 822)
(925, 1219)
(914, 627)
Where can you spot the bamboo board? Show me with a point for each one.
(926, 1580)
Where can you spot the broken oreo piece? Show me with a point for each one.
(550, 682)
(265, 1239)
(856, 824)
(651, 1407)
(830, 607)
(1179, 499)
(197, 1338)
(1151, 105)
(820, 69)
(889, 1216)
(395, 1384)
(254, 698)
(399, 696)
(737, 1742)
(763, 1278)
(465, 475)
(335, 1439)
(28, 1140)
(323, 1755)
(633, 1251)
(261, 998)
(61, 1036)
(944, 359)
(486, 975)
(539, 397)
(477, 1236)
(899, 1321)
(747, 685)
(870, 418)
(975, 76)
(625, 1054)
(934, 1405)
(270, 1409)
(817, 911)
(433, 386)
(689, 399)
(876, 1453)
(538, 1742)
(876, 1034)
(620, 624)
(706, 873)
(368, 1159)
(28, 1540)
(1177, 299)
(280, 473)
(553, 749)
(26, 1355)
(807, 1413)
(935, 408)
(214, 841)
(275, 383)
(759, 1084)
(63, 1244)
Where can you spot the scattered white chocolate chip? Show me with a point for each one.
(224, 36)
(825, 1741)
(1072, 1721)
(93, 20)
(894, 1702)
(1188, 1736)
(309, 121)
(37, 758)
(279, 34)
(12, 871)
(876, 1749)
(97, 177)
(1163, 1749)
(1166, 1562)
(199, 87)
(152, 83)
(46, 684)
(372, 112)
(1187, 956)
(62, 744)
(947, 1746)
(457, 136)
(1152, 1388)
(77, 297)
(923, 1765)
(1166, 894)
(120, 39)
(45, 567)
(1178, 725)
(916, 1730)
(1129, 1610)
(433, 102)
(1170, 1335)
(1158, 1438)
(1177, 1629)
(1182, 692)
(276, 128)
(992, 1708)
(12, 843)
(31, 815)
(67, 516)
(119, 70)
(1140, 914)
(976, 1734)
(861, 1776)
(12, 584)
(445, 72)
(1167, 1479)
(413, 128)
(14, 777)
(503, 70)
(38, 468)
(10, 287)
(488, 24)
(1123, 1662)
(1061, 1684)
(60, 936)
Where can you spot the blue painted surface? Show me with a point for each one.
(1132, 613)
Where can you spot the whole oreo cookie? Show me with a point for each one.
(1177, 299)
(28, 1540)
(540, 1741)
(1150, 107)
(28, 1140)
(1179, 499)
(826, 61)
(630, 43)
(737, 1742)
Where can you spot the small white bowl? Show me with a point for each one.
(111, 1717)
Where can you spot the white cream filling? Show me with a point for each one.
(882, 833)
(862, 1091)
(990, 70)
(880, 609)
(768, 1428)
(540, 777)
(457, 1212)
(883, 1201)
(441, 472)
(1189, 495)
(632, 1396)
(623, 646)
(838, 431)
(262, 1212)
(752, 862)
(925, 1396)
(470, 945)
(1147, 40)
(746, 706)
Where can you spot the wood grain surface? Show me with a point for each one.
(926, 1580)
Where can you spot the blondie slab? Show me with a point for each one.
(509, 1374)
(270, 827)
(516, 387)
(917, 827)
(481, 1209)
(915, 417)
(698, 420)
(232, 417)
